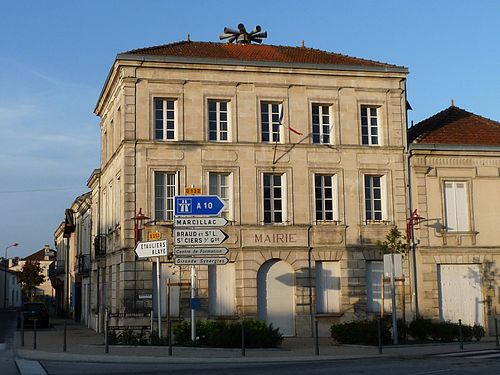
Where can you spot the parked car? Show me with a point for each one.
(32, 311)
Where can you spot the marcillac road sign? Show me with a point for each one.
(201, 261)
(189, 222)
(184, 237)
(151, 249)
(198, 205)
(190, 251)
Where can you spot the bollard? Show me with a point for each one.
(379, 333)
(34, 334)
(496, 332)
(460, 336)
(64, 336)
(170, 339)
(106, 336)
(316, 338)
(22, 329)
(243, 353)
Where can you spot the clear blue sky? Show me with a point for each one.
(55, 55)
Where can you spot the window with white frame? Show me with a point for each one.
(221, 290)
(165, 189)
(218, 120)
(271, 114)
(165, 119)
(374, 198)
(374, 274)
(220, 184)
(327, 287)
(369, 125)
(456, 206)
(274, 199)
(325, 197)
(321, 124)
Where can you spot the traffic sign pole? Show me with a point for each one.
(193, 295)
(158, 295)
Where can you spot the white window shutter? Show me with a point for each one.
(450, 207)
(462, 207)
(328, 287)
(221, 291)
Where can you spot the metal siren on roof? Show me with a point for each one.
(241, 35)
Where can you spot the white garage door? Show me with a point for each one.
(460, 295)
(275, 291)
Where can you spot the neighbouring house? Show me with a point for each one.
(11, 295)
(455, 185)
(45, 257)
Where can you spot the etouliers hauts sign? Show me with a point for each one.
(186, 222)
(151, 249)
(194, 261)
(193, 237)
(190, 251)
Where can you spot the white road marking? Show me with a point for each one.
(27, 367)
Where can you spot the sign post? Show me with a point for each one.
(154, 249)
(196, 214)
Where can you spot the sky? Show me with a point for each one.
(55, 56)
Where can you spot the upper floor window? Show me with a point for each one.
(271, 121)
(369, 125)
(324, 197)
(374, 198)
(321, 124)
(274, 199)
(456, 206)
(220, 184)
(165, 119)
(218, 122)
(165, 189)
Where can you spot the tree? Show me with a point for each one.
(30, 276)
(394, 243)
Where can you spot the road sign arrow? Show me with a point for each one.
(199, 237)
(194, 261)
(198, 205)
(195, 221)
(151, 249)
(190, 251)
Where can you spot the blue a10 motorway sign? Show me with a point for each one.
(198, 205)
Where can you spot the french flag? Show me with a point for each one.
(281, 121)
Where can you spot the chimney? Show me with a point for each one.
(46, 254)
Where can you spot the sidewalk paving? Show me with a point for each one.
(84, 344)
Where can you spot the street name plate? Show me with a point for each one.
(193, 237)
(151, 249)
(191, 261)
(190, 251)
(193, 221)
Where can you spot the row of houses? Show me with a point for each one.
(311, 154)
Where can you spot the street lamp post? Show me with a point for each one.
(5, 274)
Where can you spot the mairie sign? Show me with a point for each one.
(198, 205)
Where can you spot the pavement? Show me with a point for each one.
(85, 345)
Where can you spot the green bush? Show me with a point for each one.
(478, 331)
(423, 329)
(222, 334)
(420, 328)
(361, 332)
(127, 337)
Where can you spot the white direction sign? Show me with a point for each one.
(193, 221)
(190, 237)
(192, 261)
(190, 251)
(151, 249)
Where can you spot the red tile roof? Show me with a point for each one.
(40, 255)
(255, 52)
(457, 127)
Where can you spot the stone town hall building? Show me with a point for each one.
(306, 148)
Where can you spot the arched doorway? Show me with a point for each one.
(275, 295)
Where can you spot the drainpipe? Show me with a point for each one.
(309, 277)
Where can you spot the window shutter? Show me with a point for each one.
(328, 287)
(462, 207)
(450, 207)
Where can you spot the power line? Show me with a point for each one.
(42, 190)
